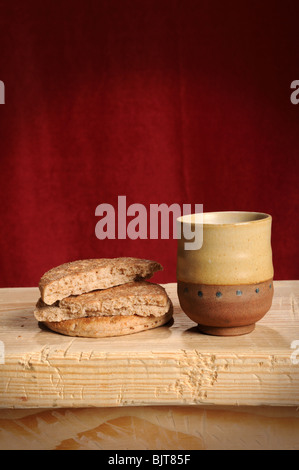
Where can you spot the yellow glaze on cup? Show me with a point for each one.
(236, 250)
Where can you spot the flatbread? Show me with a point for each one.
(141, 298)
(101, 327)
(81, 276)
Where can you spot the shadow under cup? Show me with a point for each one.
(226, 286)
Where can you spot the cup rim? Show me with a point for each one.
(258, 217)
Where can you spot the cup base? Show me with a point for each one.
(221, 331)
(225, 310)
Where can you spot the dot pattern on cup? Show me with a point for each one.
(219, 294)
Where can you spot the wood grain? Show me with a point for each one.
(171, 365)
(152, 427)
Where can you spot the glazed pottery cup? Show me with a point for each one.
(226, 286)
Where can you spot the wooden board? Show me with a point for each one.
(151, 427)
(171, 365)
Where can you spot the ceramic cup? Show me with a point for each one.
(226, 286)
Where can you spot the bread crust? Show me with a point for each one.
(81, 276)
(102, 327)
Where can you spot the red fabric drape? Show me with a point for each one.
(173, 101)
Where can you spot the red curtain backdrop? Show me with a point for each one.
(169, 101)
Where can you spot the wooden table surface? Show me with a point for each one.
(168, 388)
(170, 365)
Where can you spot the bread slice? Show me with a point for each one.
(101, 327)
(134, 298)
(78, 277)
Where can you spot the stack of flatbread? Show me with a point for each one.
(102, 297)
